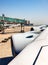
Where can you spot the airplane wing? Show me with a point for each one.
(42, 57)
(29, 55)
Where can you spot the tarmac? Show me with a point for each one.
(5, 41)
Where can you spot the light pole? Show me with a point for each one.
(3, 22)
(22, 29)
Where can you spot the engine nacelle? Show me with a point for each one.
(21, 40)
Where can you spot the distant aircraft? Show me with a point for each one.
(35, 53)
(14, 25)
(11, 25)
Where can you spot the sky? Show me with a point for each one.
(34, 10)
